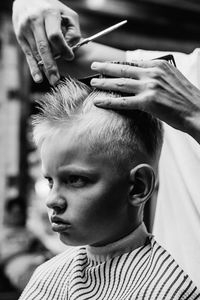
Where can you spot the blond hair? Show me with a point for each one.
(119, 134)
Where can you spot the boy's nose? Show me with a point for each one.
(57, 203)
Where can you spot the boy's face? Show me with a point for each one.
(88, 198)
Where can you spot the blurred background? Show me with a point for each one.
(26, 239)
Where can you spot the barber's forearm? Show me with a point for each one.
(81, 65)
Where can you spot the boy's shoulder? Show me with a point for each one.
(166, 278)
(51, 277)
(148, 272)
(61, 260)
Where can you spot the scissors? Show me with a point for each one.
(91, 38)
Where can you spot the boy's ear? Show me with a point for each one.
(142, 180)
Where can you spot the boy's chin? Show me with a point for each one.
(70, 241)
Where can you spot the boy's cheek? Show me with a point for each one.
(85, 209)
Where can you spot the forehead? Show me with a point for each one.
(81, 131)
(71, 147)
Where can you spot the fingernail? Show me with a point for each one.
(95, 65)
(99, 102)
(54, 79)
(38, 78)
(94, 81)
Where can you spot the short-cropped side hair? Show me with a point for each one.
(119, 134)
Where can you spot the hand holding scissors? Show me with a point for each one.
(43, 29)
(91, 38)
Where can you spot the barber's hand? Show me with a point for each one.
(153, 86)
(42, 33)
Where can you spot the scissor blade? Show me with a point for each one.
(107, 30)
(99, 34)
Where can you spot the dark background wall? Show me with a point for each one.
(152, 24)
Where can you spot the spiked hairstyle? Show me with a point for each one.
(119, 134)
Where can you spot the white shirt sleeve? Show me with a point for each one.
(177, 219)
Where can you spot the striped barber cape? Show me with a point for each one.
(148, 272)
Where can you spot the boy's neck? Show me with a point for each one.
(137, 238)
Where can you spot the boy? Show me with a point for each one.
(101, 167)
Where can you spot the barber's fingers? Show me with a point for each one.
(71, 28)
(152, 63)
(43, 46)
(123, 103)
(34, 43)
(117, 70)
(123, 85)
(137, 69)
(143, 102)
(31, 41)
(55, 36)
(32, 56)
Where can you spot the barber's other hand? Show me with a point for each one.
(153, 86)
(42, 33)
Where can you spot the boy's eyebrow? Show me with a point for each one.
(71, 168)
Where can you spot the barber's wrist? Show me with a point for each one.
(193, 126)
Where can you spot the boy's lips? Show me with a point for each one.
(58, 224)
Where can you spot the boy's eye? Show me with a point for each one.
(77, 181)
